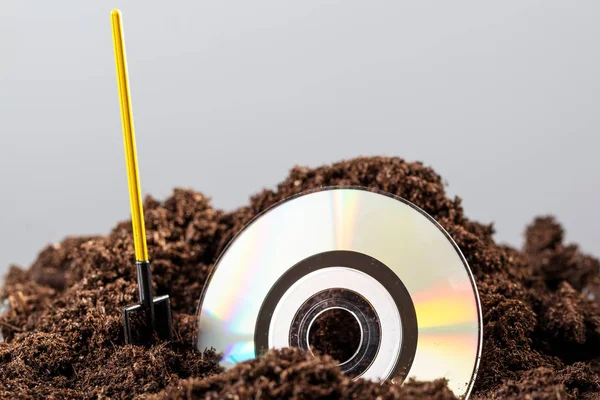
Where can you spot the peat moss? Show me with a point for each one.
(64, 337)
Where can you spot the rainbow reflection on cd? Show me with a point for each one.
(391, 231)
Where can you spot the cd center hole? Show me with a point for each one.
(335, 332)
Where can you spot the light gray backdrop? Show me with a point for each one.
(501, 99)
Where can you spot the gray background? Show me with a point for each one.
(501, 99)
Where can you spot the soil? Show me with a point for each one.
(64, 338)
(335, 333)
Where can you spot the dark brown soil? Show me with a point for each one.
(292, 374)
(335, 333)
(64, 337)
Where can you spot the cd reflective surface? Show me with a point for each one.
(363, 244)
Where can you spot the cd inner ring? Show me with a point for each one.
(360, 273)
(281, 326)
(363, 313)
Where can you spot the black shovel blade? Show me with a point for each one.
(164, 320)
(140, 324)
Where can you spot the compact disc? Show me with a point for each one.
(382, 260)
